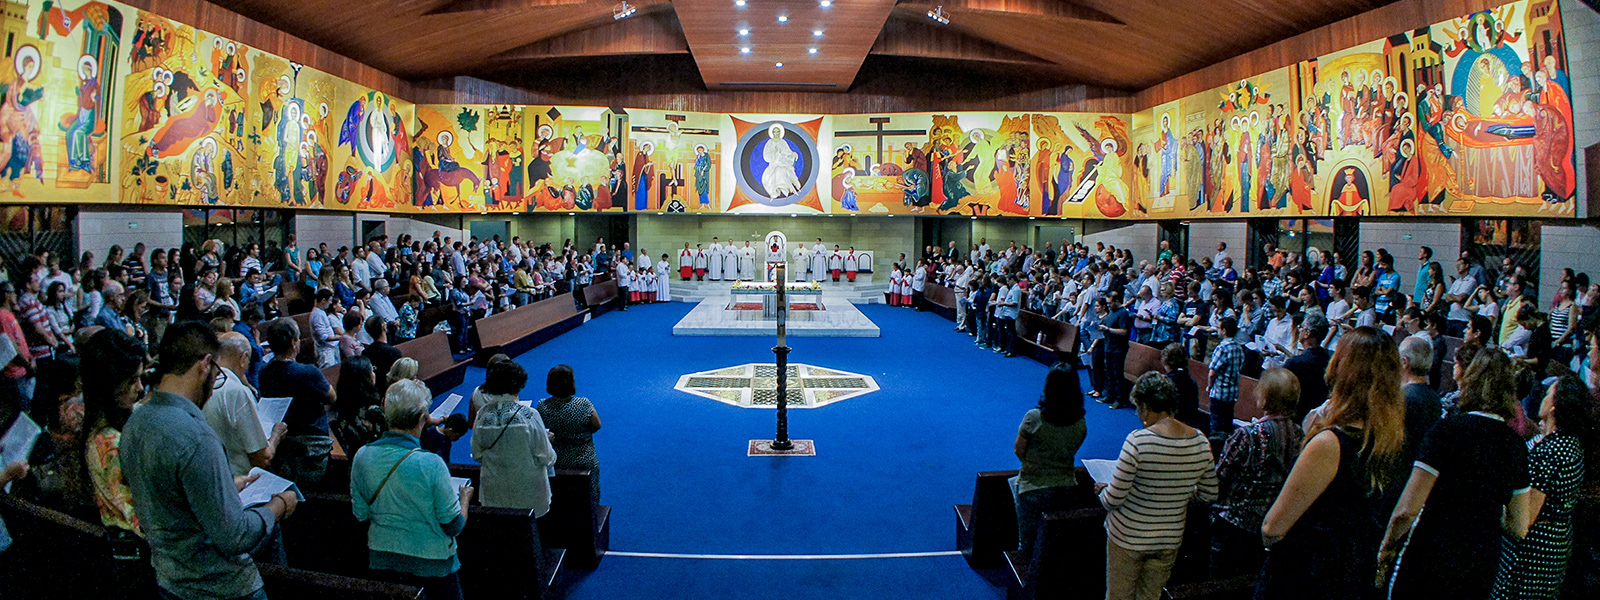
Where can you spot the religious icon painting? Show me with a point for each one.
(575, 160)
(880, 163)
(451, 160)
(80, 55)
(183, 133)
(675, 161)
(776, 166)
(289, 124)
(373, 151)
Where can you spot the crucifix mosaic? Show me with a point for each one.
(756, 385)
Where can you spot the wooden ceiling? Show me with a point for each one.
(1125, 45)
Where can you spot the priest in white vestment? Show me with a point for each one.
(730, 262)
(819, 261)
(663, 280)
(714, 261)
(747, 262)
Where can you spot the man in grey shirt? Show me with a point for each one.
(183, 491)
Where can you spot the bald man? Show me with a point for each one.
(232, 410)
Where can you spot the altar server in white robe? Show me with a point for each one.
(686, 262)
(851, 265)
(819, 261)
(730, 262)
(663, 280)
(747, 262)
(798, 262)
(714, 261)
(835, 263)
(896, 281)
(699, 263)
(647, 279)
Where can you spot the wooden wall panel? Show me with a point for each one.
(1403, 15)
(221, 21)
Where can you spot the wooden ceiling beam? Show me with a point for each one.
(653, 32)
(904, 35)
(461, 6)
(1049, 9)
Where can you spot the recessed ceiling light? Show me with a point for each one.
(779, 65)
(813, 51)
(744, 32)
(826, 3)
(738, 3)
(817, 33)
(744, 50)
(783, 18)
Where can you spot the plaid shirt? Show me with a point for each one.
(1272, 287)
(1166, 326)
(1227, 360)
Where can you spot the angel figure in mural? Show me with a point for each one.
(779, 178)
(702, 175)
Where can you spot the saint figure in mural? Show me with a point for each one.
(643, 172)
(539, 167)
(20, 151)
(80, 150)
(1352, 199)
(779, 178)
(1168, 147)
(847, 200)
(702, 176)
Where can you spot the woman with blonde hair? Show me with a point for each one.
(1479, 467)
(405, 368)
(1324, 528)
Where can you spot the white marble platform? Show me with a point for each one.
(839, 318)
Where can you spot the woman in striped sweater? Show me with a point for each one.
(1163, 466)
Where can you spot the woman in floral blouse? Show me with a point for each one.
(1252, 469)
(109, 398)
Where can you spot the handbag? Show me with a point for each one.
(385, 481)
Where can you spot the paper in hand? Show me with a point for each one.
(1389, 329)
(527, 403)
(265, 487)
(1101, 470)
(447, 407)
(271, 412)
(17, 444)
(460, 482)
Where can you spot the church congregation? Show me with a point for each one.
(722, 299)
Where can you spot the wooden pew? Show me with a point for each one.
(299, 584)
(53, 550)
(988, 527)
(1069, 557)
(517, 330)
(1142, 358)
(499, 548)
(939, 300)
(435, 365)
(1242, 587)
(601, 296)
(1245, 409)
(575, 523)
(1059, 338)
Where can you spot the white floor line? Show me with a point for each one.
(783, 556)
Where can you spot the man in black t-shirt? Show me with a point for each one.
(302, 456)
(379, 351)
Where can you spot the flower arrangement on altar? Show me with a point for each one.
(768, 285)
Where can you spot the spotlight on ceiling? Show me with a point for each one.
(738, 3)
(938, 14)
(783, 18)
(623, 10)
(777, 66)
(812, 51)
(817, 33)
(743, 31)
(744, 50)
(826, 3)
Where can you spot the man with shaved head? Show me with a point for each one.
(232, 409)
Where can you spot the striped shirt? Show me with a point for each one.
(1157, 476)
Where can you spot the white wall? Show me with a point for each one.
(97, 228)
(333, 228)
(1566, 246)
(1582, 27)
(1444, 237)
(1138, 237)
(1204, 235)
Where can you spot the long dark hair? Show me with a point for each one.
(356, 389)
(1062, 402)
(1574, 416)
(117, 359)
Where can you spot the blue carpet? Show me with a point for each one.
(890, 464)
